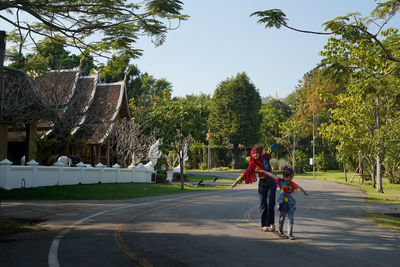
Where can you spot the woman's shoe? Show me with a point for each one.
(272, 227)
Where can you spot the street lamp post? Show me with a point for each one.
(208, 151)
(209, 157)
(294, 151)
(312, 142)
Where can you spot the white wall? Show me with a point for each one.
(33, 175)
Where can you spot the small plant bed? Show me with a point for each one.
(389, 221)
(11, 226)
(208, 178)
(391, 191)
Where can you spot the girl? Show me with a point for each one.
(287, 203)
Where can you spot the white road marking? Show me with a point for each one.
(53, 252)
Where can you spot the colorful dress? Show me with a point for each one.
(267, 156)
(286, 200)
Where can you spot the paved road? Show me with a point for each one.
(205, 229)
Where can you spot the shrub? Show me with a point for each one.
(274, 162)
(321, 162)
(203, 166)
(220, 169)
(301, 162)
(161, 177)
(282, 162)
(243, 162)
(177, 177)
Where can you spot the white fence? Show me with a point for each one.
(33, 175)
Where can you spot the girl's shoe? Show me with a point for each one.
(264, 229)
(282, 235)
(291, 237)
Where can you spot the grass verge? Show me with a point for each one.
(387, 220)
(11, 226)
(99, 191)
(391, 191)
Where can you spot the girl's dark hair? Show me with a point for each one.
(287, 171)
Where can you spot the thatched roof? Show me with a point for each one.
(109, 104)
(89, 108)
(19, 102)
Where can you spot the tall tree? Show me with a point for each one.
(101, 26)
(144, 91)
(51, 54)
(116, 68)
(367, 68)
(235, 114)
(364, 59)
(273, 113)
(127, 141)
(177, 123)
(151, 88)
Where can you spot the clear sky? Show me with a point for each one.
(220, 39)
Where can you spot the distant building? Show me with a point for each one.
(88, 110)
(268, 98)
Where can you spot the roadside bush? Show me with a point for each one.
(243, 162)
(161, 177)
(198, 156)
(220, 169)
(203, 166)
(282, 162)
(321, 163)
(274, 162)
(392, 172)
(301, 162)
(177, 177)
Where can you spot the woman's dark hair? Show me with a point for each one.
(287, 171)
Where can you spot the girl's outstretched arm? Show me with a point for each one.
(302, 190)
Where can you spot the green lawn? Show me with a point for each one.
(220, 169)
(388, 221)
(100, 191)
(391, 192)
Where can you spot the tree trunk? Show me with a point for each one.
(373, 175)
(3, 127)
(31, 132)
(379, 151)
(181, 155)
(3, 141)
(235, 156)
(294, 154)
(360, 166)
(344, 170)
(379, 171)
